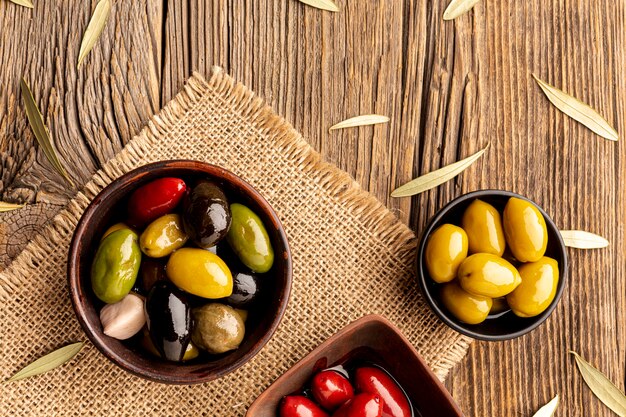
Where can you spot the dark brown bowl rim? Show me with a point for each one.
(363, 321)
(444, 315)
(74, 279)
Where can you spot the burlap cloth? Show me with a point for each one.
(351, 257)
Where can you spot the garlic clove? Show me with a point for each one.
(123, 319)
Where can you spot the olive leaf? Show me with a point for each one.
(548, 409)
(41, 131)
(578, 110)
(435, 178)
(601, 386)
(583, 240)
(25, 3)
(322, 4)
(364, 120)
(94, 29)
(457, 8)
(4, 207)
(48, 362)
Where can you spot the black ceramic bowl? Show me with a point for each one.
(105, 210)
(502, 326)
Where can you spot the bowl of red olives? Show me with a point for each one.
(492, 265)
(179, 271)
(367, 369)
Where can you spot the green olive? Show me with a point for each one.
(115, 266)
(249, 240)
(538, 288)
(114, 228)
(488, 275)
(200, 272)
(445, 250)
(525, 230)
(163, 236)
(481, 221)
(218, 328)
(469, 308)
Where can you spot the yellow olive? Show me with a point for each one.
(538, 287)
(163, 236)
(469, 308)
(481, 221)
(445, 250)
(200, 272)
(192, 351)
(525, 230)
(115, 228)
(488, 275)
(499, 306)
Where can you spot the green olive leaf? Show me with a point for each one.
(578, 111)
(4, 207)
(548, 409)
(601, 386)
(580, 239)
(364, 120)
(41, 131)
(25, 3)
(457, 8)
(322, 4)
(94, 29)
(435, 178)
(48, 362)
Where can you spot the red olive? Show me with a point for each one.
(362, 405)
(378, 382)
(155, 199)
(299, 406)
(331, 389)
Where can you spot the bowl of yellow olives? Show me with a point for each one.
(492, 265)
(179, 271)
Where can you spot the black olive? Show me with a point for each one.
(206, 214)
(150, 272)
(245, 289)
(169, 320)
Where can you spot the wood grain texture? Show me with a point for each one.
(449, 87)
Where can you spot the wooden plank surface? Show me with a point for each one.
(450, 88)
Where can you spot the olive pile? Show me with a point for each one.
(187, 281)
(506, 267)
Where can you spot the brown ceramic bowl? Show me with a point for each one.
(109, 207)
(369, 340)
(501, 326)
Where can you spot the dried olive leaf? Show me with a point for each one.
(601, 386)
(94, 28)
(578, 110)
(548, 409)
(322, 4)
(40, 131)
(4, 207)
(435, 178)
(48, 362)
(583, 240)
(457, 8)
(25, 3)
(364, 120)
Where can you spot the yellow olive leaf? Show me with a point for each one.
(364, 120)
(25, 3)
(435, 178)
(548, 409)
(601, 386)
(4, 207)
(457, 8)
(94, 29)
(322, 4)
(578, 111)
(580, 239)
(48, 362)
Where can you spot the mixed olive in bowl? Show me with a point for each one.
(179, 271)
(492, 265)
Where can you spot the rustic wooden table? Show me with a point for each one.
(449, 87)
